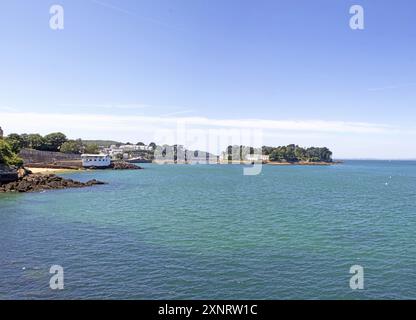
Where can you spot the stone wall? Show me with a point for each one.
(34, 156)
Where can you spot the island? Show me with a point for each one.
(291, 154)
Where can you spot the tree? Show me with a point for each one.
(140, 144)
(230, 153)
(300, 154)
(92, 149)
(15, 142)
(7, 156)
(294, 153)
(54, 141)
(72, 146)
(35, 141)
(266, 150)
(24, 138)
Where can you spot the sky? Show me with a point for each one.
(194, 71)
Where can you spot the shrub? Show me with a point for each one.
(7, 156)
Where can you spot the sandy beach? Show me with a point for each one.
(49, 170)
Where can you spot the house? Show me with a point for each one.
(95, 160)
(133, 147)
(257, 157)
(126, 151)
(236, 156)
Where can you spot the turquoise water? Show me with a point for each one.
(209, 232)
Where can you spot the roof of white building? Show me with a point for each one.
(94, 155)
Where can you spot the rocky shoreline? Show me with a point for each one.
(34, 182)
(13, 179)
(123, 165)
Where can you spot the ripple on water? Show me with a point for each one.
(208, 232)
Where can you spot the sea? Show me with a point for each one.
(211, 232)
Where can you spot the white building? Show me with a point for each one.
(133, 147)
(124, 150)
(257, 157)
(95, 160)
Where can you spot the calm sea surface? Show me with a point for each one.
(209, 232)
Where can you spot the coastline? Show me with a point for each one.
(247, 163)
(276, 163)
(303, 163)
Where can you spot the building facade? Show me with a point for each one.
(96, 160)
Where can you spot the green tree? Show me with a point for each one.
(294, 153)
(24, 140)
(300, 154)
(230, 153)
(15, 141)
(35, 141)
(7, 156)
(266, 150)
(54, 141)
(153, 145)
(72, 146)
(92, 149)
(290, 155)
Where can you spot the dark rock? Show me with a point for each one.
(41, 182)
(8, 174)
(122, 165)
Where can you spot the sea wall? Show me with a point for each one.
(30, 156)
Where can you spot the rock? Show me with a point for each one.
(94, 182)
(122, 165)
(23, 172)
(40, 182)
(7, 174)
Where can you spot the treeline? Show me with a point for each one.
(294, 153)
(55, 142)
(290, 153)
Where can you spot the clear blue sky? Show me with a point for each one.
(217, 60)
